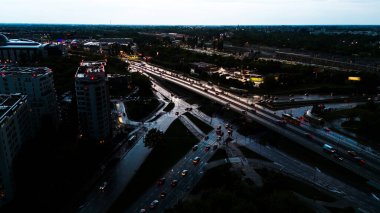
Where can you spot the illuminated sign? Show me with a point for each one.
(132, 57)
(257, 79)
(352, 78)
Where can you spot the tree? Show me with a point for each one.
(154, 138)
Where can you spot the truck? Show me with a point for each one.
(328, 148)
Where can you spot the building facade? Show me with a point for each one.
(12, 50)
(14, 130)
(24, 50)
(37, 83)
(93, 103)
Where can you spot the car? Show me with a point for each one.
(218, 132)
(207, 148)
(360, 160)
(281, 122)
(352, 153)
(307, 135)
(161, 181)
(176, 113)
(163, 195)
(154, 204)
(103, 186)
(184, 172)
(195, 148)
(174, 183)
(326, 129)
(337, 156)
(219, 138)
(206, 137)
(142, 210)
(196, 160)
(292, 100)
(215, 147)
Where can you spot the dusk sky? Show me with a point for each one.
(192, 12)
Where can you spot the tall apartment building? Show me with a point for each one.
(14, 130)
(91, 86)
(37, 83)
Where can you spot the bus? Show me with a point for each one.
(290, 119)
(328, 148)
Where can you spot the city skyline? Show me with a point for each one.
(193, 12)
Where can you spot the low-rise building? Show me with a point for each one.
(200, 68)
(24, 50)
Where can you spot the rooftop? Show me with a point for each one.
(34, 71)
(91, 70)
(202, 65)
(17, 43)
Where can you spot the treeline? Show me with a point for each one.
(294, 37)
(278, 76)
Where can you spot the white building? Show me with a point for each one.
(14, 130)
(37, 83)
(94, 115)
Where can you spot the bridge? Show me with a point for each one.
(267, 118)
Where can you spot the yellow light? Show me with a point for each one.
(257, 79)
(353, 78)
(276, 78)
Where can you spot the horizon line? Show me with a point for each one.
(190, 24)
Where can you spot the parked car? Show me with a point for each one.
(195, 148)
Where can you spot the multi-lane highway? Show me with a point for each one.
(100, 200)
(267, 118)
(185, 182)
